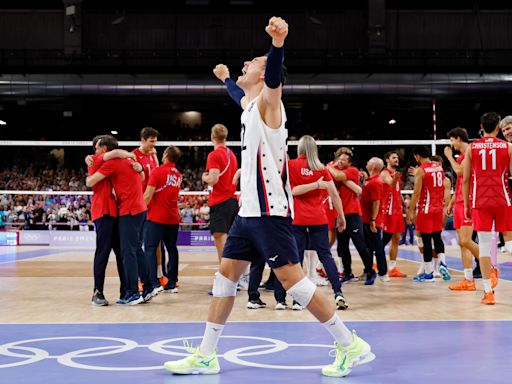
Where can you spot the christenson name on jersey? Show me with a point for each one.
(264, 183)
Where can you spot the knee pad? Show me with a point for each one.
(419, 240)
(223, 287)
(303, 291)
(485, 243)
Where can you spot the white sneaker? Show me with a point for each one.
(157, 290)
(297, 306)
(281, 306)
(243, 282)
(437, 274)
(384, 278)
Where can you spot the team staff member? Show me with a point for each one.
(372, 214)
(104, 216)
(354, 223)
(308, 176)
(221, 167)
(487, 167)
(161, 197)
(468, 248)
(132, 214)
(393, 219)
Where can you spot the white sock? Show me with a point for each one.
(508, 246)
(436, 263)
(338, 330)
(310, 263)
(468, 274)
(392, 264)
(159, 272)
(487, 285)
(211, 337)
(428, 267)
(442, 258)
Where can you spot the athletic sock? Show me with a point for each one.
(428, 267)
(211, 337)
(442, 258)
(468, 274)
(338, 330)
(392, 264)
(487, 285)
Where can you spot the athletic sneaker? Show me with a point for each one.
(171, 288)
(281, 306)
(425, 278)
(395, 272)
(495, 275)
(256, 304)
(296, 306)
(340, 301)
(347, 358)
(384, 278)
(463, 285)
(488, 298)
(321, 272)
(243, 282)
(194, 364)
(158, 289)
(370, 278)
(134, 299)
(319, 281)
(443, 269)
(99, 300)
(348, 278)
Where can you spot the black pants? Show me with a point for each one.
(257, 268)
(154, 233)
(107, 239)
(376, 246)
(427, 245)
(354, 231)
(134, 260)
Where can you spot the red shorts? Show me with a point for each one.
(393, 224)
(458, 217)
(483, 219)
(430, 222)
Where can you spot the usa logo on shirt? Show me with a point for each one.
(306, 172)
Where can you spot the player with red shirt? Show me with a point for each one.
(132, 214)
(146, 153)
(372, 215)
(486, 168)
(429, 198)
(308, 177)
(354, 226)
(459, 139)
(393, 219)
(162, 224)
(104, 215)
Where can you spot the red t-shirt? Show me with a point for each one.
(348, 197)
(372, 191)
(490, 166)
(391, 198)
(163, 207)
(148, 162)
(103, 200)
(432, 190)
(127, 185)
(223, 159)
(308, 206)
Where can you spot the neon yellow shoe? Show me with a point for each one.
(195, 364)
(357, 353)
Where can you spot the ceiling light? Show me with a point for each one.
(2, 122)
(114, 132)
(392, 121)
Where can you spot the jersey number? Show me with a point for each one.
(483, 153)
(438, 179)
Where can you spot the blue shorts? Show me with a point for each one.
(270, 238)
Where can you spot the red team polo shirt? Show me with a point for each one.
(148, 162)
(163, 208)
(348, 197)
(372, 191)
(225, 161)
(308, 206)
(103, 200)
(127, 184)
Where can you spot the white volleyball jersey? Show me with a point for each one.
(264, 183)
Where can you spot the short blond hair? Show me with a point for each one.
(219, 132)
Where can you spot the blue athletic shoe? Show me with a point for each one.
(443, 270)
(134, 299)
(424, 278)
(370, 278)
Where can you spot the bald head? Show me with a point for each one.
(374, 166)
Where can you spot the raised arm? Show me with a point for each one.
(457, 168)
(221, 72)
(119, 154)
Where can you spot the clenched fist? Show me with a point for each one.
(277, 28)
(221, 72)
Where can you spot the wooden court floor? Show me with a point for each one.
(54, 285)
